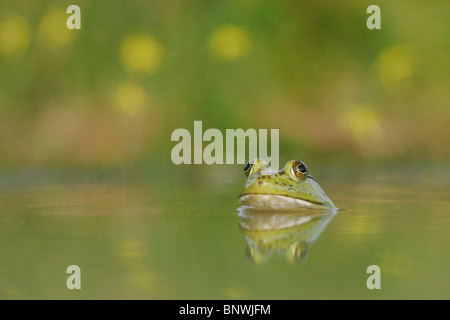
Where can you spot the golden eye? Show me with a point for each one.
(248, 168)
(300, 170)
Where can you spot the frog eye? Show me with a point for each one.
(300, 170)
(248, 168)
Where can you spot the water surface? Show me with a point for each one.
(147, 241)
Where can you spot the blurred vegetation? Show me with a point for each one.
(111, 93)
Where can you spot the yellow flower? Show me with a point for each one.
(14, 36)
(130, 98)
(141, 53)
(53, 32)
(362, 122)
(229, 42)
(394, 64)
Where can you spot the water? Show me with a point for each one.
(145, 241)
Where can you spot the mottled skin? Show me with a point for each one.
(287, 188)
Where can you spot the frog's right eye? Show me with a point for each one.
(248, 167)
(300, 170)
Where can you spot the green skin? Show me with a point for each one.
(266, 188)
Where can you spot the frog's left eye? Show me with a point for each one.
(248, 168)
(300, 170)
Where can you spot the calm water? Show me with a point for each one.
(142, 240)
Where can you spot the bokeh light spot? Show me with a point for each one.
(230, 42)
(53, 32)
(141, 53)
(394, 64)
(14, 36)
(130, 98)
(362, 121)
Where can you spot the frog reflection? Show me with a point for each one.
(287, 233)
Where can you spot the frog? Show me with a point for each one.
(290, 187)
